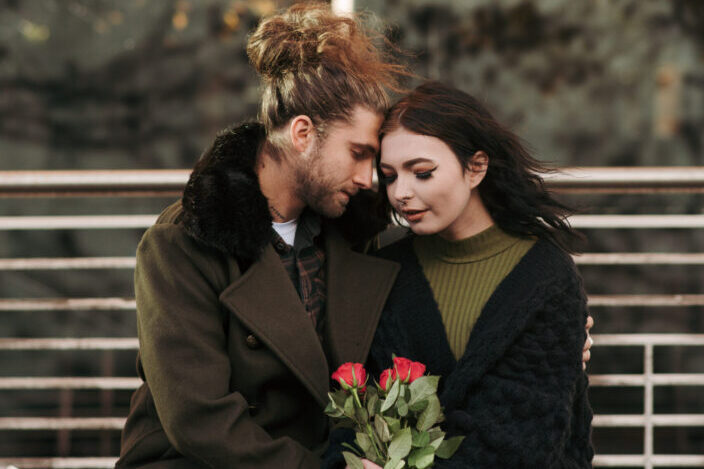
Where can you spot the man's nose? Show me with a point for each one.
(363, 174)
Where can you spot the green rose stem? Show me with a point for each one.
(356, 398)
(367, 425)
(371, 437)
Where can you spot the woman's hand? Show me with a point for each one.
(367, 465)
(586, 354)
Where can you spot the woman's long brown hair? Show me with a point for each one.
(512, 189)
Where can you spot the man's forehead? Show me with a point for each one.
(362, 129)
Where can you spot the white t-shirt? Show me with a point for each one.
(287, 230)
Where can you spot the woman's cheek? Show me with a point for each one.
(389, 198)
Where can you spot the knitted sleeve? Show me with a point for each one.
(530, 410)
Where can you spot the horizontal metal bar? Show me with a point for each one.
(128, 343)
(50, 382)
(636, 221)
(635, 258)
(129, 304)
(603, 460)
(58, 463)
(118, 182)
(67, 263)
(683, 379)
(68, 304)
(116, 423)
(659, 460)
(126, 182)
(660, 379)
(658, 420)
(616, 178)
(62, 423)
(92, 343)
(77, 222)
(77, 263)
(646, 300)
(643, 339)
(104, 222)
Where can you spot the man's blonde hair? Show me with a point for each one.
(313, 62)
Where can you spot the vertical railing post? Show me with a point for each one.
(648, 405)
(106, 401)
(63, 437)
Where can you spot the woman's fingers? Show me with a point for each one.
(367, 465)
(586, 353)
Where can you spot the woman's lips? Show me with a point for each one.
(413, 215)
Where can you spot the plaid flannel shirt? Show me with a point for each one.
(304, 262)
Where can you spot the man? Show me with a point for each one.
(240, 324)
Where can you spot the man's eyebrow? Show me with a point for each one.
(365, 147)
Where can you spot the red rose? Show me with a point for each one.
(407, 370)
(351, 375)
(387, 377)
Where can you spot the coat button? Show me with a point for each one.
(252, 342)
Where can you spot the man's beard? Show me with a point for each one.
(315, 189)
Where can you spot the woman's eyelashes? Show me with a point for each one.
(390, 178)
(425, 174)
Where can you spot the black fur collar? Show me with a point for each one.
(224, 208)
(223, 205)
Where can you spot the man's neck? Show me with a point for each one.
(278, 186)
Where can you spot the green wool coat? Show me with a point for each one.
(234, 373)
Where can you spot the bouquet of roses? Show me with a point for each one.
(396, 420)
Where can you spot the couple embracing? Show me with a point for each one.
(264, 278)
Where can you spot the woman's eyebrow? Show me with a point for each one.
(409, 163)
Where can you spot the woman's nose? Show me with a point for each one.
(401, 190)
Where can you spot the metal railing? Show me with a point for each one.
(170, 183)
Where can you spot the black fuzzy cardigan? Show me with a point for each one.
(518, 393)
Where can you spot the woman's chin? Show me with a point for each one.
(423, 230)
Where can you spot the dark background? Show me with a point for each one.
(140, 84)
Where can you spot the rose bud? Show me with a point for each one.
(403, 368)
(351, 375)
(387, 378)
(407, 370)
(417, 370)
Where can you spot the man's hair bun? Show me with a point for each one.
(316, 63)
(301, 38)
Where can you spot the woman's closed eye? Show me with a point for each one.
(425, 174)
(388, 178)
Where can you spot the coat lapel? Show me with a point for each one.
(266, 302)
(357, 287)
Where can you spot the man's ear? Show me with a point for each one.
(301, 132)
(478, 164)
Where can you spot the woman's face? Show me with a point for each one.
(426, 184)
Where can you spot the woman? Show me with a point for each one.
(488, 296)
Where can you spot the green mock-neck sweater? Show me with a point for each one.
(463, 274)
